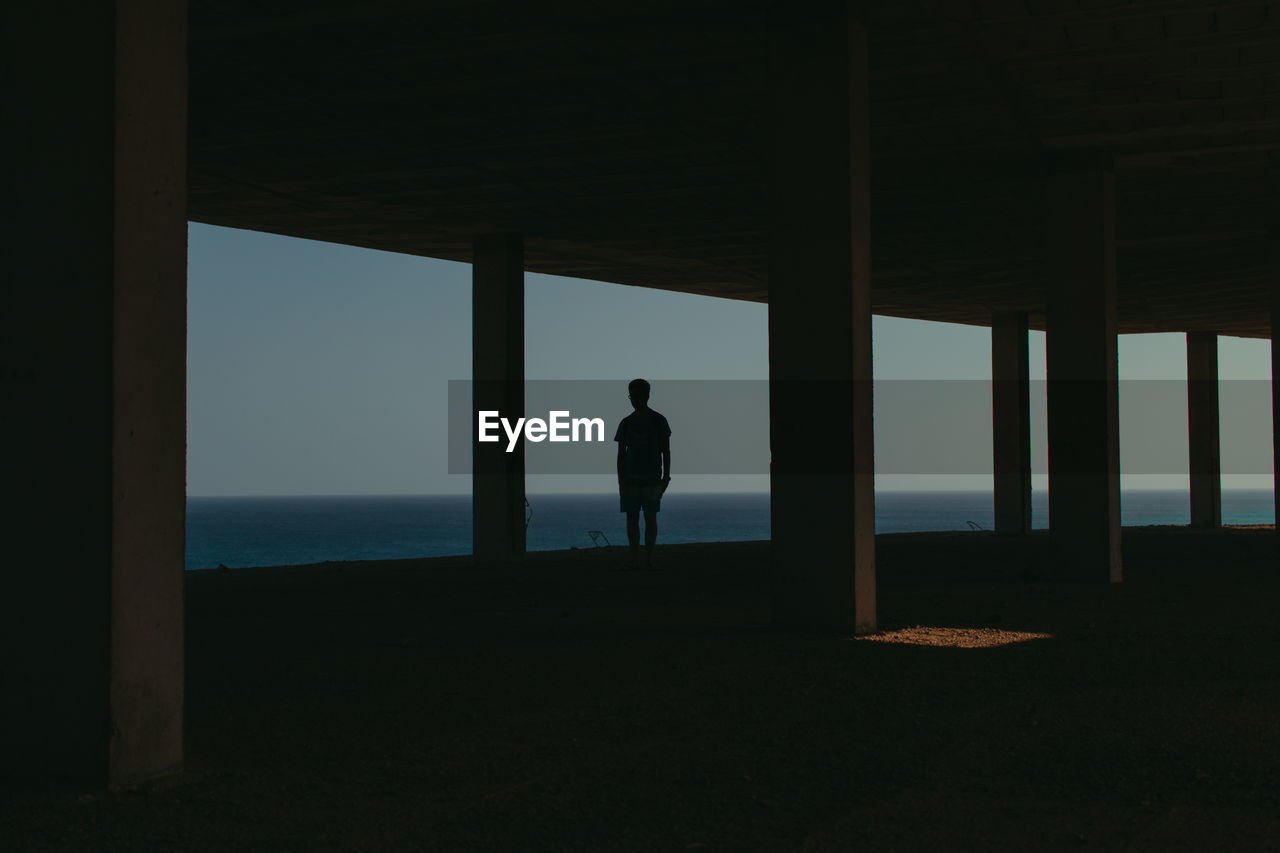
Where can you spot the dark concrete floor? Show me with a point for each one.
(572, 706)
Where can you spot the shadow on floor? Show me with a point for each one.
(571, 706)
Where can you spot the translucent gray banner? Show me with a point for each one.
(921, 426)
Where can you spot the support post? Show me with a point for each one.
(1275, 380)
(93, 362)
(822, 513)
(1202, 429)
(1011, 421)
(497, 358)
(1083, 375)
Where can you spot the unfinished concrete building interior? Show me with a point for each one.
(1088, 169)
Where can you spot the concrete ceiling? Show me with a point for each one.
(634, 148)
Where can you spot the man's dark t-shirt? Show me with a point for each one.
(643, 435)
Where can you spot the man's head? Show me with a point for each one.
(638, 390)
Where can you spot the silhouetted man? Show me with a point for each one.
(644, 470)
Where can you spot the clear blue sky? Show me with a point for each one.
(315, 368)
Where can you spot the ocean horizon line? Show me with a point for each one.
(695, 492)
(244, 530)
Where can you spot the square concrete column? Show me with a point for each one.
(93, 358)
(1202, 429)
(1275, 379)
(1083, 375)
(821, 483)
(497, 359)
(1011, 421)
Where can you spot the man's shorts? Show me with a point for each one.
(641, 496)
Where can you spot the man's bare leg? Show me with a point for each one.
(633, 537)
(650, 536)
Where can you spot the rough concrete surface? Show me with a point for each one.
(572, 706)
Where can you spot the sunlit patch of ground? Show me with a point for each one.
(955, 638)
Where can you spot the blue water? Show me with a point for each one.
(270, 531)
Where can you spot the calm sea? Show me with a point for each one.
(266, 531)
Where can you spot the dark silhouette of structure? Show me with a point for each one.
(1081, 168)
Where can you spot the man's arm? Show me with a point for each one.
(622, 462)
(666, 460)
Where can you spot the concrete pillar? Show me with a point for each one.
(821, 484)
(1011, 421)
(1084, 411)
(93, 363)
(1275, 380)
(497, 358)
(1202, 429)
